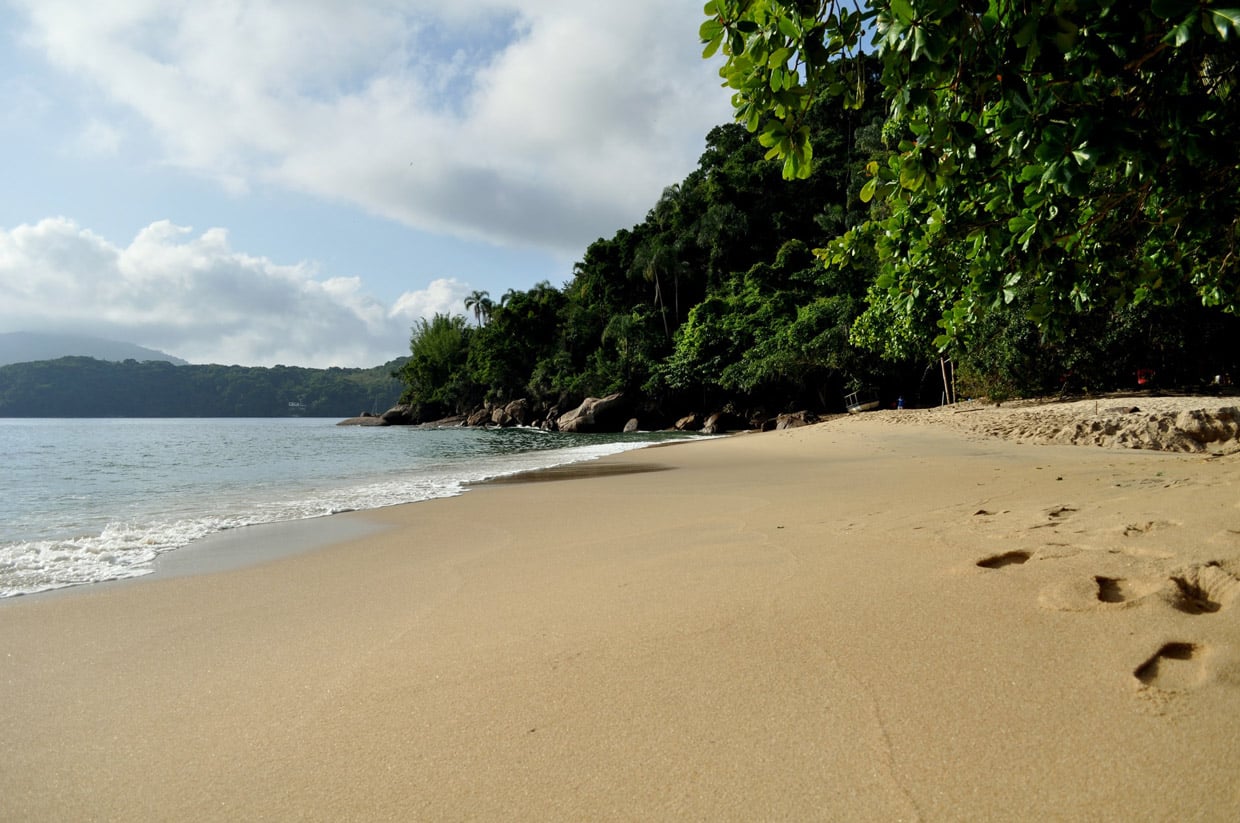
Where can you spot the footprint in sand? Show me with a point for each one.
(1194, 590)
(1055, 516)
(1203, 589)
(1174, 667)
(998, 561)
(1139, 529)
(1084, 594)
(1112, 589)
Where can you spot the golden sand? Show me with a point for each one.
(861, 620)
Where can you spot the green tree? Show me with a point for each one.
(1057, 155)
(436, 379)
(521, 334)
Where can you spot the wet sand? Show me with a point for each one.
(862, 620)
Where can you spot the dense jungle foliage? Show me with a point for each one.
(86, 387)
(717, 301)
(1055, 163)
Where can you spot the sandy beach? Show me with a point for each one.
(898, 616)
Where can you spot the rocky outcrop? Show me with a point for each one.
(689, 423)
(791, 420)
(401, 415)
(396, 416)
(721, 422)
(364, 420)
(613, 413)
(595, 414)
(519, 412)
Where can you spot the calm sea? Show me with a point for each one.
(90, 500)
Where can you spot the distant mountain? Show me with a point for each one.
(27, 347)
(87, 387)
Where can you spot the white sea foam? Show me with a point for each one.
(129, 548)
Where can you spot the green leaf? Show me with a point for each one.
(912, 175)
(712, 47)
(919, 42)
(1030, 172)
(773, 133)
(867, 191)
(1225, 20)
(1020, 223)
(779, 58)
(903, 10)
(1182, 33)
(1086, 157)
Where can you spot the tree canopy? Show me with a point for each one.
(1059, 156)
(746, 292)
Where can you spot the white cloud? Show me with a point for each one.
(193, 296)
(443, 296)
(97, 139)
(544, 123)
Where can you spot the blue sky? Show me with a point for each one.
(296, 182)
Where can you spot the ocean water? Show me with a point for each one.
(83, 500)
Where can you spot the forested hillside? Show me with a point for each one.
(717, 301)
(85, 387)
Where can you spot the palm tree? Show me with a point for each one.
(507, 297)
(479, 302)
(661, 253)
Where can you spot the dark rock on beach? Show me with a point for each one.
(398, 416)
(689, 423)
(721, 422)
(519, 412)
(791, 420)
(364, 420)
(595, 414)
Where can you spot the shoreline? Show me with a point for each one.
(858, 620)
(142, 534)
(260, 543)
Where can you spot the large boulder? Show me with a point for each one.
(479, 417)
(794, 420)
(721, 422)
(519, 412)
(689, 423)
(364, 420)
(595, 414)
(398, 416)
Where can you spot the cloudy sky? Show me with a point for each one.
(296, 181)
